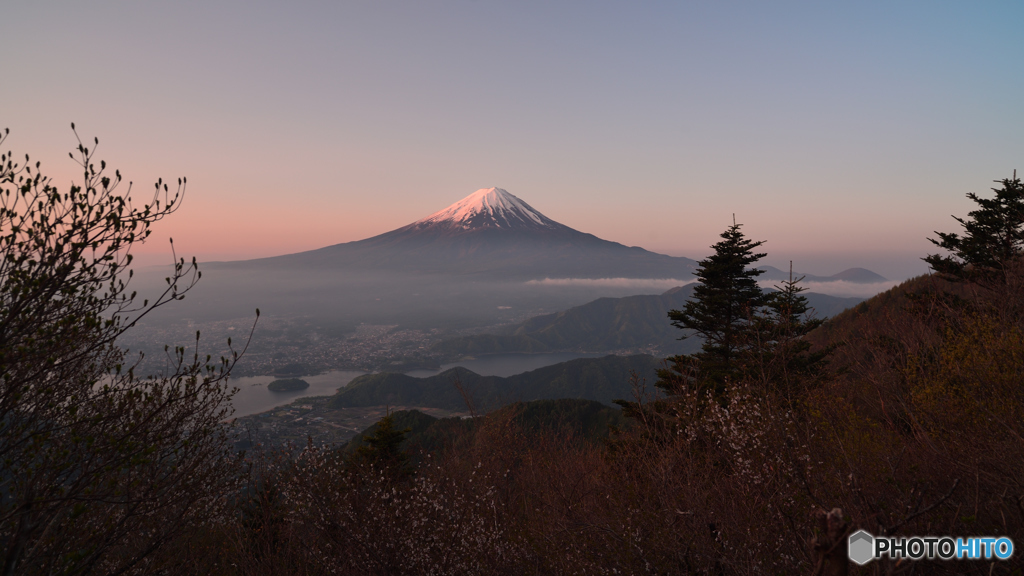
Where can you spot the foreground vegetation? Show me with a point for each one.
(758, 454)
(902, 417)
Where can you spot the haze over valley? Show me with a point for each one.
(489, 274)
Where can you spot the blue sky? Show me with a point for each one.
(843, 134)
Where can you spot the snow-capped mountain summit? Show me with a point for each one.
(488, 207)
(494, 234)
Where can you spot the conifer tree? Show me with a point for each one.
(785, 362)
(726, 310)
(722, 311)
(992, 241)
(383, 448)
(750, 336)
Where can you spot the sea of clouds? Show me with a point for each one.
(840, 288)
(652, 283)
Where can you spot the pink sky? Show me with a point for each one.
(842, 135)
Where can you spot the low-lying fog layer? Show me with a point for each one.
(841, 288)
(314, 320)
(641, 284)
(422, 301)
(413, 301)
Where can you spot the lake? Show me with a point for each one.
(253, 396)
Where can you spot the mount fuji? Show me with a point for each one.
(489, 234)
(480, 261)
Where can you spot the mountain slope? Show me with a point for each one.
(489, 233)
(600, 379)
(854, 275)
(606, 325)
(469, 264)
(588, 419)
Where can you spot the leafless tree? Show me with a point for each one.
(99, 467)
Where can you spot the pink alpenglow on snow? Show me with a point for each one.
(489, 207)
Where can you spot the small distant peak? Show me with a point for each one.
(859, 276)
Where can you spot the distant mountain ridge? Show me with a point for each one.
(589, 419)
(600, 379)
(608, 325)
(854, 275)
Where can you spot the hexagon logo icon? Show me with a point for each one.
(860, 547)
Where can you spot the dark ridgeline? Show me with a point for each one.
(598, 379)
(586, 419)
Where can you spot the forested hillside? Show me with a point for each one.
(601, 379)
(586, 419)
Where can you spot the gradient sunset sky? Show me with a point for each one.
(844, 134)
